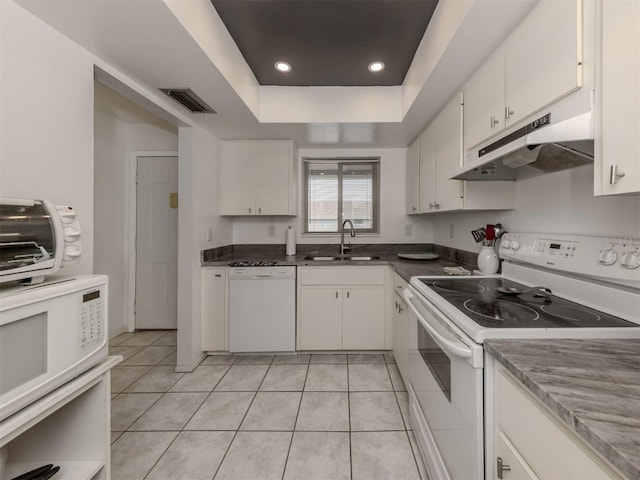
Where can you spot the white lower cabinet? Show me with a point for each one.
(214, 309)
(69, 427)
(400, 328)
(531, 443)
(320, 319)
(341, 308)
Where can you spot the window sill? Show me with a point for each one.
(337, 235)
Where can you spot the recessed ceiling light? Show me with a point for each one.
(283, 67)
(376, 67)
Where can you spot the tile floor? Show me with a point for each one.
(263, 417)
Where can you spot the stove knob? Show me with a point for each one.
(515, 244)
(631, 260)
(608, 257)
(506, 243)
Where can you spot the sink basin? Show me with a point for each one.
(359, 258)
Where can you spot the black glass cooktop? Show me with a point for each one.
(498, 303)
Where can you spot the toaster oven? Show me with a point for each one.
(36, 239)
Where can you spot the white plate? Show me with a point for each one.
(419, 256)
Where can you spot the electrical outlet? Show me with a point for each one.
(271, 230)
(408, 230)
(451, 230)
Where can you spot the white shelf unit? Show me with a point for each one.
(69, 427)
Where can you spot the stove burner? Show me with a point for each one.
(253, 263)
(501, 310)
(459, 286)
(568, 312)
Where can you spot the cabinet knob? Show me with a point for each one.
(336, 294)
(614, 174)
(400, 309)
(502, 467)
(347, 293)
(413, 209)
(494, 121)
(259, 209)
(249, 209)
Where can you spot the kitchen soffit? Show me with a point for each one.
(327, 42)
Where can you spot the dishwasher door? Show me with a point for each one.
(262, 309)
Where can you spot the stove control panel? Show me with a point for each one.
(564, 249)
(614, 259)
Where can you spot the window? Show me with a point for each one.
(337, 190)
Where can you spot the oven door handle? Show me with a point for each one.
(449, 345)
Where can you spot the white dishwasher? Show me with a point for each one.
(262, 309)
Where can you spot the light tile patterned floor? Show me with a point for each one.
(284, 417)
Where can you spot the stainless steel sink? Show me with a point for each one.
(358, 258)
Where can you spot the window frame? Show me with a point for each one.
(374, 161)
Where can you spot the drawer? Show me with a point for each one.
(341, 275)
(550, 449)
(399, 283)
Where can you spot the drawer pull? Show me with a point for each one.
(502, 467)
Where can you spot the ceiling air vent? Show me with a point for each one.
(188, 99)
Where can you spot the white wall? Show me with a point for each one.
(393, 220)
(115, 140)
(560, 202)
(198, 211)
(46, 119)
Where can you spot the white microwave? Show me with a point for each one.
(49, 334)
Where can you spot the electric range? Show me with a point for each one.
(551, 286)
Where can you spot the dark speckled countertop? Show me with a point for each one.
(387, 254)
(592, 385)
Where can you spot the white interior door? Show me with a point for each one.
(156, 243)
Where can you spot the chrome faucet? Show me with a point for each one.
(353, 234)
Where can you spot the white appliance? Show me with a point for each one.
(36, 239)
(262, 309)
(551, 286)
(49, 334)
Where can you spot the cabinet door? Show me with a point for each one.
(363, 318)
(449, 155)
(320, 321)
(273, 178)
(237, 178)
(401, 334)
(428, 159)
(619, 138)
(543, 58)
(214, 309)
(510, 459)
(413, 177)
(484, 101)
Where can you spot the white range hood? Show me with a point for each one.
(558, 139)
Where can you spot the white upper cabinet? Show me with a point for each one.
(440, 152)
(543, 58)
(617, 143)
(539, 63)
(413, 178)
(258, 178)
(428, 161)
(484, 101)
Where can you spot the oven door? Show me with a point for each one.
(446, 393)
